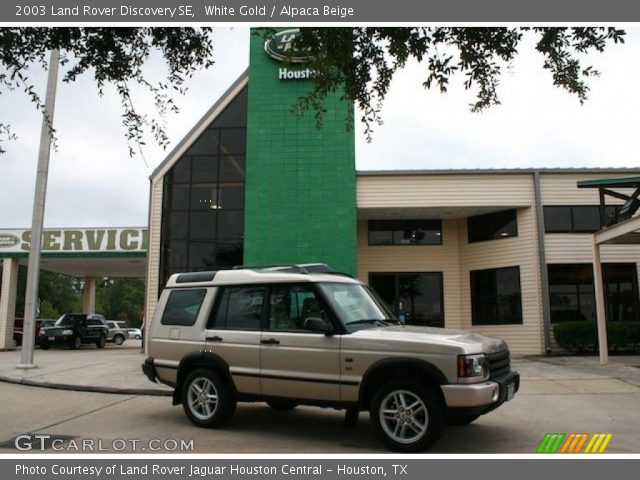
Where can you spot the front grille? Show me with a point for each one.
(499, 364)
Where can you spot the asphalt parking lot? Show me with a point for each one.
(561, 394)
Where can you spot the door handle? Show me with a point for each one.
(215, 338)
(271, 341)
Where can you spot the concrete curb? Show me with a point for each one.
(87, 388)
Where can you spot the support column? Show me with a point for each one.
(8, 301)
(89, 302)
(598, 286)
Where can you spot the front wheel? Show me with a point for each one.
(118, 339)
(407, 415)
(101, 342)
(207, 398)
(77, 343)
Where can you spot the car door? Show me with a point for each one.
(233, 333)
(295, 361)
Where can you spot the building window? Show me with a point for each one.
(416, 298)
(571, 293)
(621, 290)
(405, 232)
(576, 218)
(492, 226)
(203, 199)
(572, 296)
(496, 296)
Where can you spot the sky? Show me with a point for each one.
(93, 182)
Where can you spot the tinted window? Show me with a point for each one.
(571, 295)
(240, 308)
(182, 307)
(291, 305)
(577, 218)
(621, 289)
(405, 232)
(203, 198)
(492, 226)
(496, 297)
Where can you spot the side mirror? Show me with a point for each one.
(317, 324)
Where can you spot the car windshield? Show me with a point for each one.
(357, 305)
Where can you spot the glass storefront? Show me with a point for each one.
(203, 208)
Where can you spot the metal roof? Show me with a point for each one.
(627, 182)
(497, 171)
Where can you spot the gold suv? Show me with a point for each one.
(305, 334)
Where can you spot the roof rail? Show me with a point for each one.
(305, 268)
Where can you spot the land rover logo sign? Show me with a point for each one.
(7, 240)
(281, 47)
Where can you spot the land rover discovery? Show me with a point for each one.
(305, 334)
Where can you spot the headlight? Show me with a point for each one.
(67, 332)
(473, 366)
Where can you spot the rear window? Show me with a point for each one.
(183, 307)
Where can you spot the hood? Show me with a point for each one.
(441, 338)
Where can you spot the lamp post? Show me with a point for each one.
(33, 269)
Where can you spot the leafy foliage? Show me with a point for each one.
(114, 56)
(365, 59)
(582, 336)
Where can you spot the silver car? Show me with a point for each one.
(116, 334)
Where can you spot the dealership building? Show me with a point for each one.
(503, 252)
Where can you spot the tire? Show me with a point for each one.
(462, 420)
(281, 406)
(213, 412)
(137, 337)
(408, 416)
(101, 342)
(77, 343)
(44, 347)
(118, 339)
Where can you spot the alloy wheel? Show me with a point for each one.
(202, 398)
(403, 416)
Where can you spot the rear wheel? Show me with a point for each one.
(407, 415)
(102, 341)
(207, 398)
(44, 347)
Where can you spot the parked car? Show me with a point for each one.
(116, 334)
(135, 333)
(306, 334)
(18, 329)
(74, 330)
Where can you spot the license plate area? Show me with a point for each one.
(51, 339)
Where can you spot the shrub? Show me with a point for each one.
(582, 336)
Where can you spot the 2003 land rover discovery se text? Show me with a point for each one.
(305, 334)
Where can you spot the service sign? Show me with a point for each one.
(281, 47)
(81, 240)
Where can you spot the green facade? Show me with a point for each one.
(300, 190)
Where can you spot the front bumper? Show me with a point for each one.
(486, 395)
(57, 340)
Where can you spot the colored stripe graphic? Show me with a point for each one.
(551, 442)
(556, 442)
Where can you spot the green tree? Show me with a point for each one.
(358, 61)
(121, 299)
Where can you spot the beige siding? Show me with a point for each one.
(578, 248)
(562, 189)
(153, 256)
(418, 258)
(395, 191)
(521, 251)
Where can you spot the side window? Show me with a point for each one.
(183, 307)
(240, 308)
(290, 305)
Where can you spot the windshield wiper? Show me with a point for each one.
(379, 321)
